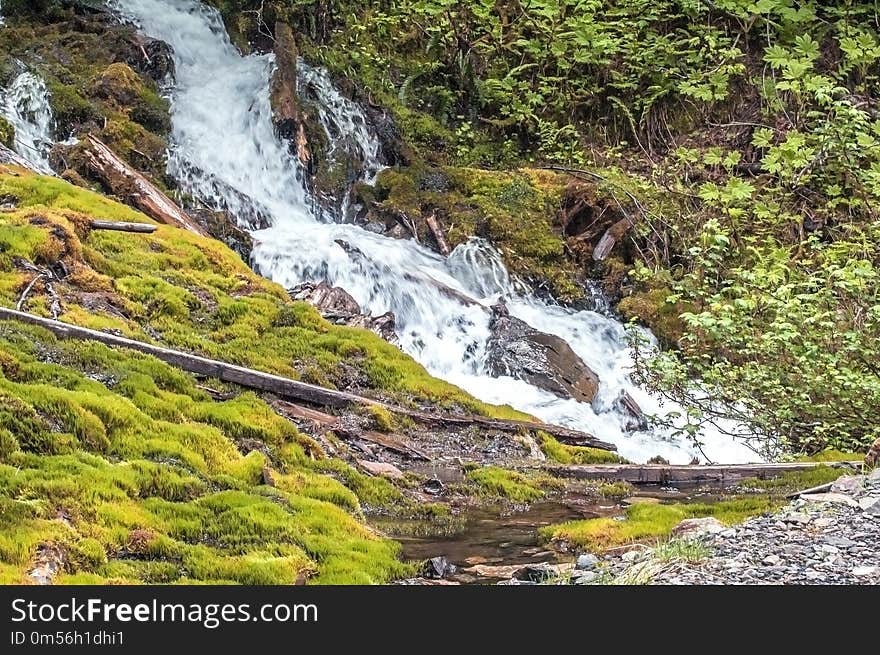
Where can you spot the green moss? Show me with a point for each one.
(382, 419)
(180, 494)
(497, 482)
(650, 522)
(565, 454)
(651, 308)
(794, 480)
(617, 489)
(7, 133)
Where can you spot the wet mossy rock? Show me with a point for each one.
(100, 81)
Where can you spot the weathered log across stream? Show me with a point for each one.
(689, 473)
(293, 389)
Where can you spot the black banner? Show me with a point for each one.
(115, 619)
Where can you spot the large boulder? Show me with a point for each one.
(517, 349)
(338, 307)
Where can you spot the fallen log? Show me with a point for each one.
(684, 474)
(122, 180)
(287, 388)
(123, 226)
(439, 237)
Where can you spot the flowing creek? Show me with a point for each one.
(224, 152)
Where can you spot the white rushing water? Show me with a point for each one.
(25, 104)
(343, 121)
(225, 152)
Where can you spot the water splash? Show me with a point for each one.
(344, 123)
(226, 153)
(25, 104)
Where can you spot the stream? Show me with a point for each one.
(224, 151)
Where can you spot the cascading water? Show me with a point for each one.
(25, 104)
(344, 122)
(225, 152)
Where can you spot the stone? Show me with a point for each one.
(584, 577)
(536, 573)
(830, 498)
(437, 568)
(381, 469)
(839, 542)
(771, 560)
(697, 527)
(874, 476)
(797, 517)
(586, 562)
(852, 485)
(544, 360)
(339, 307)
(632, 556)
(862, 571)
(432, 486)
(872, 509)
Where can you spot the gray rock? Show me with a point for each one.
(771, 560)
(872, 508)
(536, 573)
(544, 360)
(697, 527)
(852, 485)
(586, 562)
(584, 577)
(864, 570)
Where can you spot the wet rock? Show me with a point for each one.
(432, 486)
(338, 307)
(586, 562)
(543, 360)
(697, 527)
(536, 573)
(222, 227)
(437, 568)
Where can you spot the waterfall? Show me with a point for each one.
(224, 151)
(25, 104)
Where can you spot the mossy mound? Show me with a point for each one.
(141, 477)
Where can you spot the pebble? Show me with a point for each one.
(831, 538)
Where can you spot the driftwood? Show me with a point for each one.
(439, 237)
(122, 226)
(612, 236)
(687, 474)
(287, 388)
(812, 490)
(122, 180)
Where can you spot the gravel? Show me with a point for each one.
(829, 538)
